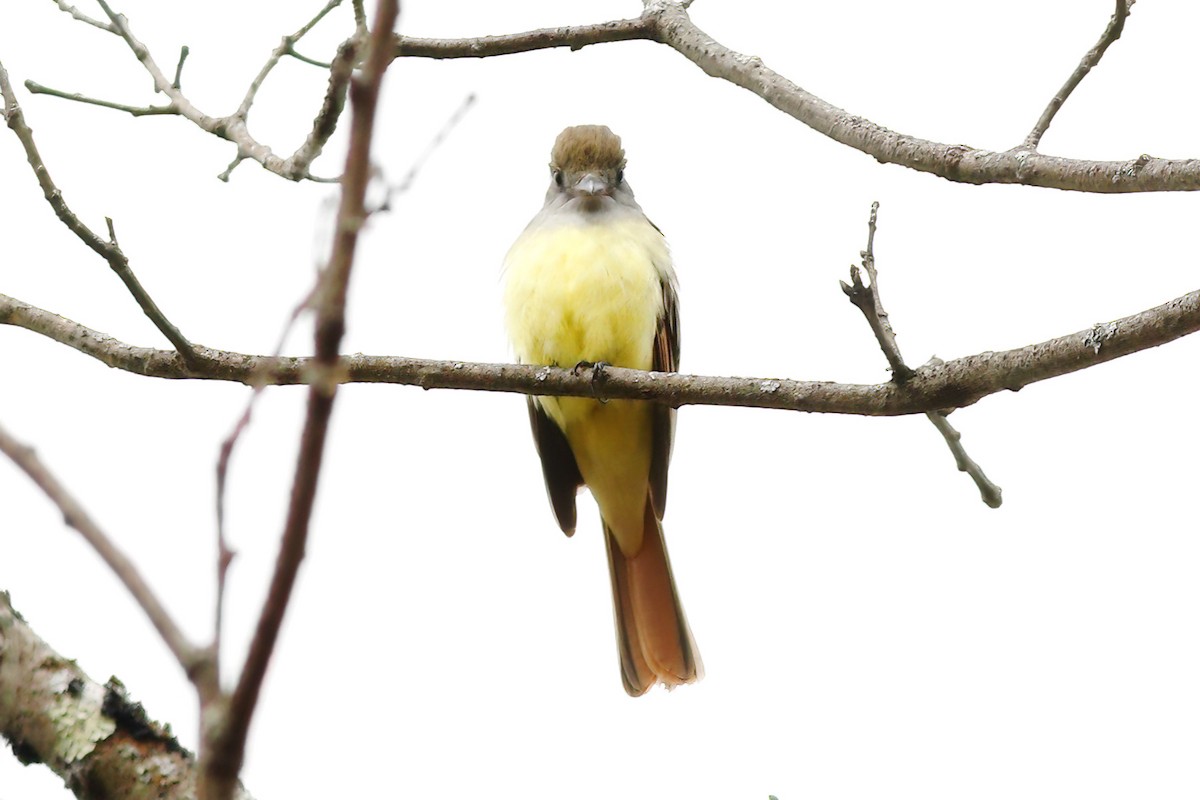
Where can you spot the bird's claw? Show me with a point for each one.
(597, 368)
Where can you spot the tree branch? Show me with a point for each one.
(224, 757)
(575, 37)
(285, 48)
(102, 744)
(1090, 59)
(668, 23)
(135, 111)
(232, 128)
(77, 14)
(953, 384)
(867, 300)
(191, 658)
(109, 250)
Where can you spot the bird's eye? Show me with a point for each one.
(620, 176)
(558, 177)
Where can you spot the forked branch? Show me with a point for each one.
(867, 300)
(109, 250)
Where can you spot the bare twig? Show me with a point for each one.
(183, 54)
(991, 494)
(360, 18)
(193, 660)
(575, 37)
(226, 750)
(953, 384)
(109, 250)
(137, 111)
(1090, 59)
(79, 15)
(294, 53)
(232, 128)
(225, 555)
(406, 183)
(284, 48)
(669, 24)
(867, 300)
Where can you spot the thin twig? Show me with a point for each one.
(360, 18)
(79, 15)
(225, 554)
(991, 494)
(227, 749)
(183, 54)
(952, 384)
(109, 250)
(410, 177)
(192, 659)
(575, 37)
(232, 128)
(1112, 32)
(867, 300)
(284, 48)
(137, 111)
(296, 54)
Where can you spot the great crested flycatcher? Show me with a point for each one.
(590, 281)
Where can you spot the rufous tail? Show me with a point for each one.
(653, 638)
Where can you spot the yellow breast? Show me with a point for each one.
(586, 291)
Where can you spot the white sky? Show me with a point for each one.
(868, 626)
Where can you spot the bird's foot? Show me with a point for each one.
(597, 368)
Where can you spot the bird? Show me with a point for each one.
(590, 282)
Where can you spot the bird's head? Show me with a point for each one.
(587, 164)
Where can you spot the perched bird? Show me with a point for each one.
(590, 281)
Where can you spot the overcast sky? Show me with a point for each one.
(868, 626)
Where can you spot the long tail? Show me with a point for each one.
(653, 638)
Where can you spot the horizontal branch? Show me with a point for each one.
(952, 384)
(668, 23)
(574, 37)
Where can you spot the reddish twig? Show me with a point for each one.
(226, 751)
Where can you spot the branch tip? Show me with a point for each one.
(868, 301)
(1112, 32)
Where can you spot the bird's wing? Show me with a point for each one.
(558, 465)
(666, 359)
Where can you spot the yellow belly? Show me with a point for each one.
(593, 292)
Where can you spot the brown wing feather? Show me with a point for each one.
(666, 359)
(558, 466)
